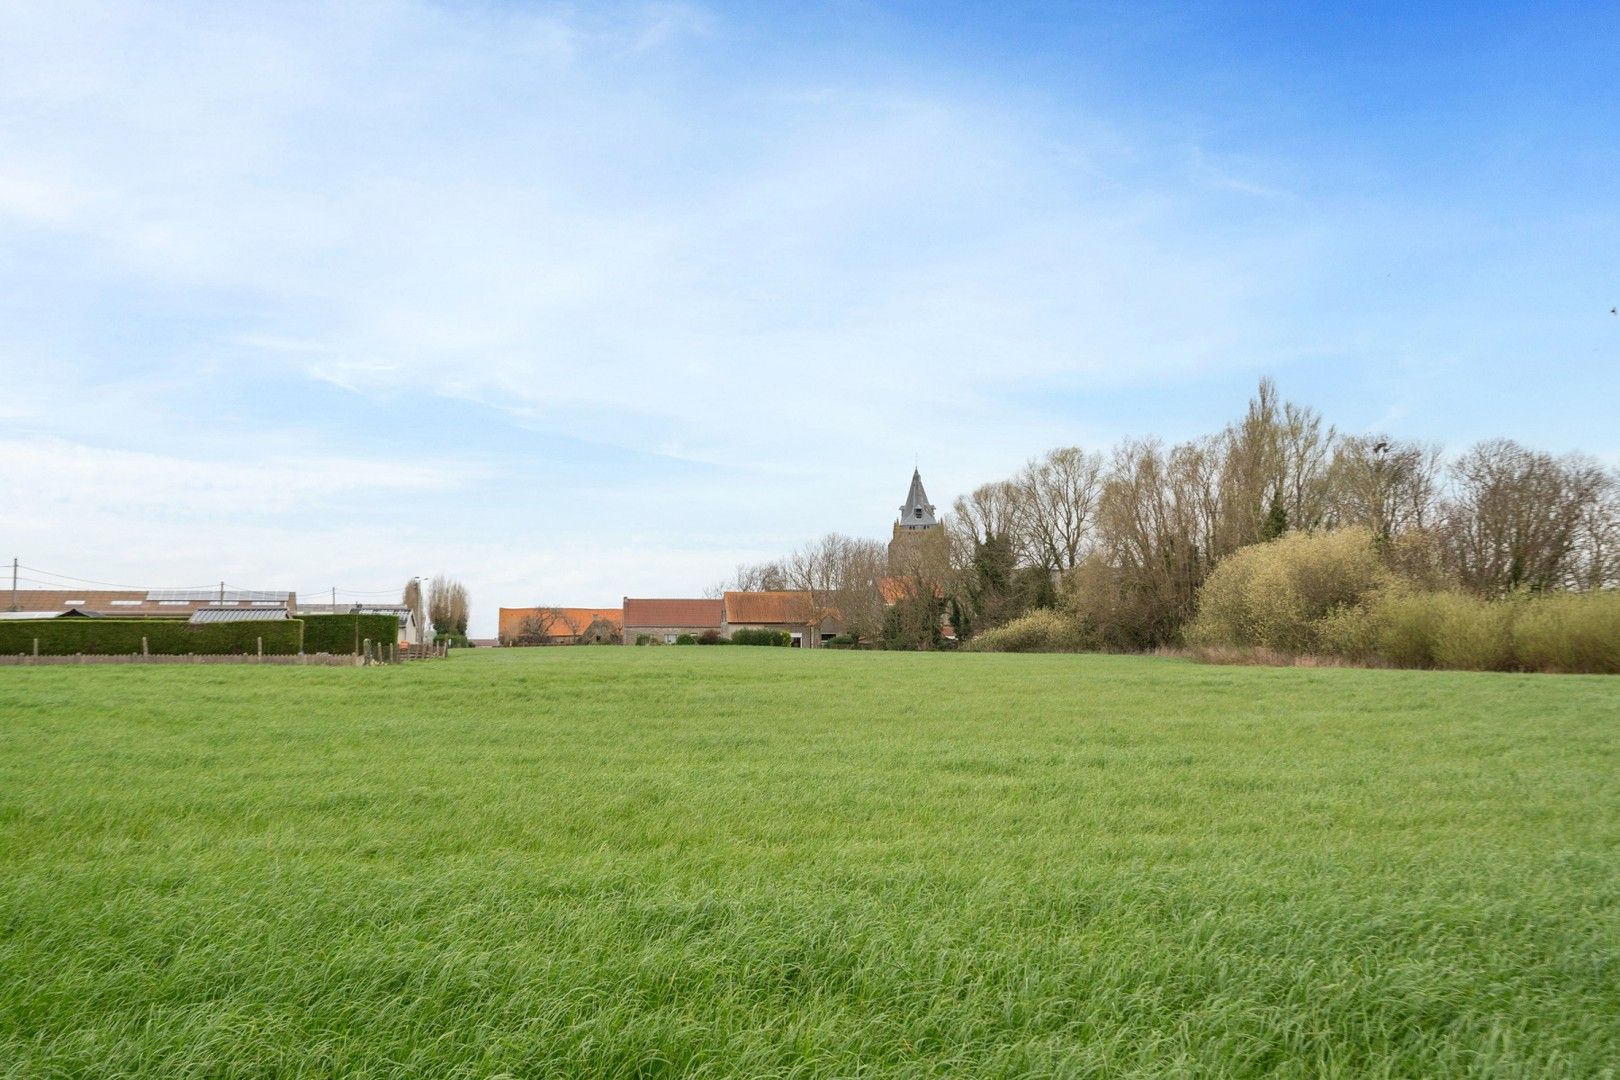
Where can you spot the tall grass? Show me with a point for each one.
(790, 863)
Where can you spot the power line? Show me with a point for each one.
(69, 581)
(107, 584)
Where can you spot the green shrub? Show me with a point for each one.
(685, 639)
(1552, 632)
(1042, 630)
(761, 637)
(1473, 634)
(1570, 632)
(336, 633)
(1403, 627)
(1279, 595)
(167, 637)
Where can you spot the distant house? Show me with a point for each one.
(800, 615)
(559, 625)
(667, 619)
(146, 603)
(410, 631)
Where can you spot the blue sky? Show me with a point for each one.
(579, 301)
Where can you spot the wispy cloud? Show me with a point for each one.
(581, 259)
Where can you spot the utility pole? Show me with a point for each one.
(14, 583)
(222, 592)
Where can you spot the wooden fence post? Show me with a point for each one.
(261, 650)
(145, 654)
(36, 648)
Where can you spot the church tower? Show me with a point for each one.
(918, 539)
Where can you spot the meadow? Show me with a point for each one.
(771, 863)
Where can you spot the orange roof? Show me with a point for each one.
(697, 614)
(563, 622)
(783, 607)
(895, 589)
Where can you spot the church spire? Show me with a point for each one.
(917, 512)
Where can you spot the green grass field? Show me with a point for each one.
(764, 862)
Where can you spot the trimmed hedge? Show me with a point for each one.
(336, 633)
(164, 637)
(762, 637)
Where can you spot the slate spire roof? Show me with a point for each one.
(917, 512)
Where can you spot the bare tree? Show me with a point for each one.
(753, 577)
(1275, 474)
(989, 510)
(412, 599)
(1160, 532)
(1387, 485)
(1515, 517)
(838, 578)
(447, 605)
(1597, 542)
(543, 623)
(1055, 505)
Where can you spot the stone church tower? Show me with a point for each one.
(919, 540)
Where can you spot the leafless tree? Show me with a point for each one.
(989, 510)
(1054, 502)
(753, 577)
(841, 577)
(543, 623)
(448, 606)
(1160, 532)
(1597, 543)
(1275, 469)
(412, 599)
(1515, 517)
(1387, 485)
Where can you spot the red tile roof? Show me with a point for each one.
(781, 607)
(895, 589)
(698, 614)
(564, 622)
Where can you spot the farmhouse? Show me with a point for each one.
(559, 625)
(667, 619)
(794, 612)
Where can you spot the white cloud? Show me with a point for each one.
(528, 209)
(581, 221)
(60, 482)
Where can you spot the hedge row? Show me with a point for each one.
(761, 637)
(164, 637)
(337, 633)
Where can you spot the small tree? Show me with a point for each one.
(412, 599)
(448, 606)
(542, 623)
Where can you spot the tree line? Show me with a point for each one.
(1124, 541)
